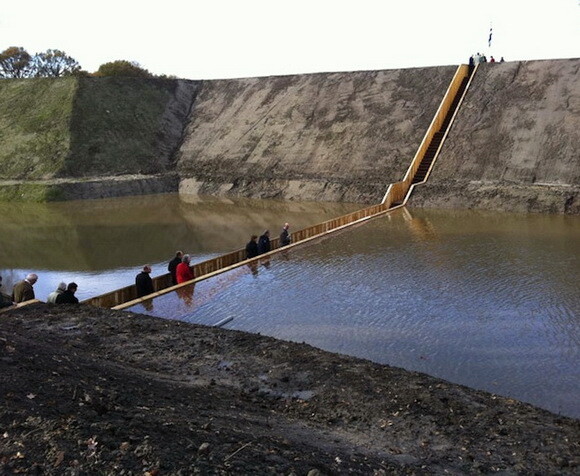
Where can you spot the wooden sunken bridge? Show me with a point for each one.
(396, 197)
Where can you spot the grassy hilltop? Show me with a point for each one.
(115, 124)
(87, 127)
(35, 135)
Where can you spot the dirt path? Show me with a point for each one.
(89, 391)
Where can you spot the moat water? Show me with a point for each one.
(488, 300)
(102, 244)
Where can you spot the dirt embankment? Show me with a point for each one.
(514, 143)
(324, 137)
(87, 188)
(94, 391)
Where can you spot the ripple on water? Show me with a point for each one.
(472, 300)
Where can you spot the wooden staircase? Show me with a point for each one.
(435, 143)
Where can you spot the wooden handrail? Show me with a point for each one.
(460, 102)
(396, 196)
(221, 263)
(460, 73)
(399, 191)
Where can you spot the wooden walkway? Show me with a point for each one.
(396, 196)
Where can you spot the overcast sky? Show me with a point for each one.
(240, 38)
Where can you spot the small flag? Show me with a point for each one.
(489, 40)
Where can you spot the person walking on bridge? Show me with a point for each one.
(143, 282)
(68, 297)
(285, 238)
(57, 292)
(23, 290)
(252, 247)
(264, 243)
(173, 266)
(184, 271)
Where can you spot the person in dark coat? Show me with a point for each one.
(252, 247)
(143, 282)
(172, 266)
(285, 235)
(68, 297)
(23, 290)
(264, 243)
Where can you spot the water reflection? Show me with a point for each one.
(101, 244)
(482, 299)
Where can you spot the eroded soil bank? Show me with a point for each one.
(87, 188)
(514, 143)
(93, 391)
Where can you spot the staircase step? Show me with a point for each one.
(437, 138)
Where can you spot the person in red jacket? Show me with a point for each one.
(184, 272)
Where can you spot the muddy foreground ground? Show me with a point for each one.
(93, 391)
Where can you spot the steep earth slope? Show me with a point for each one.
(335, 137)
(34, 126)
(514, 143)
(127, 125)
(324, 137)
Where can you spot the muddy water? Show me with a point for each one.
(483, 299)
(102, 244)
